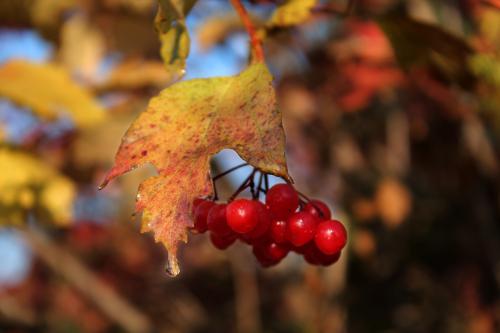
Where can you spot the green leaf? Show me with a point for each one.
(174, 37)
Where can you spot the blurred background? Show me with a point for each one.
(392, 116)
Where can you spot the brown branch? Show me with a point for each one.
(255, 41)
(105, 298)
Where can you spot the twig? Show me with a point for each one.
(229, 171)
(244, 185)
(105, 298)
(255, 41)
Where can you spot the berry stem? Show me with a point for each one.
(261, 177)
(244, 185)
(229, 171)
(255, 40)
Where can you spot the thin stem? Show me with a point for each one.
(229, 171)
(243, 186)
(261, 177)
(255, 41)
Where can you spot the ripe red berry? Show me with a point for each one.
(216, 221)
(242, 215)
(330, 237)
(264, 219)
(277, 231)
(270, 253)
(222, 242)
(315, 257)
(196, 202)
(282, 200)
(300, 228)
(200, 216)
(319, 209)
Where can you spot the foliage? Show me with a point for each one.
(30, 185)
(49, 92)
(186, 124)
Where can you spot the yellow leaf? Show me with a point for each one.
(490, 26)
(292, 12)
(171, 27)
(182, 128)
(29, 184)
(49, 91)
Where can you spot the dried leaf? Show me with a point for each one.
(31, 184)
(181, 128)
(291, 13)
(171, 26)
(49, 91)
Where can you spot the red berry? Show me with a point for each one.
(270, 253)
(277, 231)
(200, 216)
(222, 242)
(315, 257)
(300, 228)
(319, 209)
(330, 237)
(264, 220)
(242, 215)
(196, 202)
(216, 221)
(282, 200)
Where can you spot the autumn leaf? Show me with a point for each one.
(182, 128)
(171, 27)
(291, 13)
(32, 185)
(49, 91)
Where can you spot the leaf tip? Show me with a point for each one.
(172, 266)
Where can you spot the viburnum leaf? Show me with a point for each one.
(182, 128)
(30, 185)
(292, 12)
(174, 37)
(49, 91)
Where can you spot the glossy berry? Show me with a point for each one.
(242, 215)
(330, 236)
(300, 228)
(315, 257)
(277, 231)
(270, 253)
(201, 214)
(222, 242)
(282, 200)
(319, 209)
(216, 221)
(264, 219)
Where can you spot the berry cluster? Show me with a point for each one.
(284, 223)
